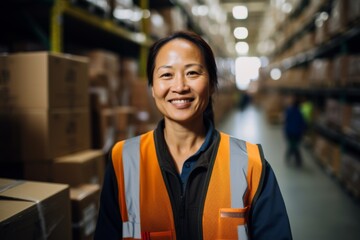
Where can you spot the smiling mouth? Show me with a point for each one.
(181, 101)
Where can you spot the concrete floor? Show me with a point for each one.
(318, 207)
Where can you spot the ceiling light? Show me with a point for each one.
(242, 48)
(241, 32)
(201, 10)
(121, 13)
(240, 12)
(275, 74)
(246, 69)
(286, 7)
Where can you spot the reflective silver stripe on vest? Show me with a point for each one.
(131, 164)
(238, 183)
(238, 171)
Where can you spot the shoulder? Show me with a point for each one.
(130, 143)
(246, 146)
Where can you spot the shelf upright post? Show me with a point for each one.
(144, 49)
(56, 26)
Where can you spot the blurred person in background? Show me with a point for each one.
(245, 101)
(306, 108)
(294, 129)
(186, 180)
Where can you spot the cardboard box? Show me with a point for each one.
(129, 73)
(102, 62)
(320, 74)
(85, 207)
(34, 210)
(43, 80)
(46, 134)
(145, 103)
(123, 117)
(338, 17)
(340, 70)
(124, 124)
(80, 168)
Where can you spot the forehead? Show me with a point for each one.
(179, 47)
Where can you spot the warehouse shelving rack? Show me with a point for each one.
(343, 42)
(58, 24)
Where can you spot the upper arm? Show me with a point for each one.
(268, 216)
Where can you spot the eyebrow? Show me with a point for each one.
(186, 66)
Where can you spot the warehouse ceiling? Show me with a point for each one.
(257, 10)
(256, 13)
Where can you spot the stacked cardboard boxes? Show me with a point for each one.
(110, 81)
(45, 115)
(45, 108)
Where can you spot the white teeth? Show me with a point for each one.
(178, 101)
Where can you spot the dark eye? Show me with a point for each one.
(192, 73)
(165, 75)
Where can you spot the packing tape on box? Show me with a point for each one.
(15, 183)
(10, 185)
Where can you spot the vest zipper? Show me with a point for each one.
(182, 207)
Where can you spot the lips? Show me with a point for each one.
(181, 102)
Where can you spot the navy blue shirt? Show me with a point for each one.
(190, 162)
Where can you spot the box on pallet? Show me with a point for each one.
(43, 80)
(34, 210)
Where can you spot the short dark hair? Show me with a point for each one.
(206, 52)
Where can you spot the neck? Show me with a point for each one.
(184, 141)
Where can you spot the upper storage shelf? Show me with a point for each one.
(59, 26)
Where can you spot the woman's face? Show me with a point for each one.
(181, 86)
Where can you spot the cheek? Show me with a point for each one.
(158, 90)
(204, 90)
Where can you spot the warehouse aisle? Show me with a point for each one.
(317, 206)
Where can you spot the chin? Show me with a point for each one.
(185, 119)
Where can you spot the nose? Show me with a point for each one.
(180, 83)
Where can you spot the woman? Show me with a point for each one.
(186, 180)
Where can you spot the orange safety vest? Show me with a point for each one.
(144, 202)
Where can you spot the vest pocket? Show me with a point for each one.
(229, 221)
(233, 213)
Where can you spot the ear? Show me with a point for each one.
(152, 91)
